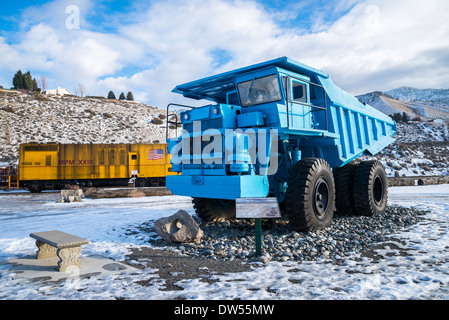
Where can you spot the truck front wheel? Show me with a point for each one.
(310, 198)
(214, 209)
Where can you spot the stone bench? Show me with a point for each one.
(64, 245)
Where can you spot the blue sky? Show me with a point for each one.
(148, 47)
(300, 12)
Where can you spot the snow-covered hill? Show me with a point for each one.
(435, 96)
(426, 104)
(421, 148)
(28, 118)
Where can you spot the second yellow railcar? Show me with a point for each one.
(52, 166)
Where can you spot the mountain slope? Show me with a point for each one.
(434, 96)
(425, 104)
(421, 148)
(28, 118)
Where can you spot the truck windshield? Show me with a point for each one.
(260, 90)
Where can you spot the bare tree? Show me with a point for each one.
(43, 83)
(81, 89)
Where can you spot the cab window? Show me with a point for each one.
(259, 90)
(299, 92)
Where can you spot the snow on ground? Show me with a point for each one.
(414, 265)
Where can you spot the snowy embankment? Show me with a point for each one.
(26, 118)
(412, 264)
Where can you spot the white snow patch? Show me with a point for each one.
(423, 274)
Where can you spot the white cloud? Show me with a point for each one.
(381, 44)
(182, 38)
(377, 45)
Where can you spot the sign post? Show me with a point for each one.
(258, 223)
(134, 174)
(257, 209)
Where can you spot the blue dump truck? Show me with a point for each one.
(278, 129)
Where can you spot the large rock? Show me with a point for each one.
(98, 193)
(179, 227)
(70, 195)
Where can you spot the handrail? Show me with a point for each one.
(306, 104)
(167, 122)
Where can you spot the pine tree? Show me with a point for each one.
(405, 117)
(397, 117)
(122, 96)
(24, 81)
(28, 81)
(111, 95)
(17, 80)
(35, 86)
(129, 96)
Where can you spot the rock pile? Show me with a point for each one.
(347, 235)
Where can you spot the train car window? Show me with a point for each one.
(122, 157)
(48, 161)
(101, 157)
(134, 157)
(111, 156)
(41, 148)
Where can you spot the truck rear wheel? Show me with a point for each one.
(344, 199)
(310, 198)
(370, 188)
(214, 209)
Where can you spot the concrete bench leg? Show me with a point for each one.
(69, 258)
(45, 250)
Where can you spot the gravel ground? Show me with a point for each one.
(229, 247)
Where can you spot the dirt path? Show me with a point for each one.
(173, 267)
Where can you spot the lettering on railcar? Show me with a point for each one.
(73, 162)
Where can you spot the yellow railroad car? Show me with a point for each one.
(52, 166)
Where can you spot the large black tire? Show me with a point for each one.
(344, 199)
(310, 197)
(214, 209)
(370, 188)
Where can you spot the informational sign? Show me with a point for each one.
(134, 172)
(257, 208)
